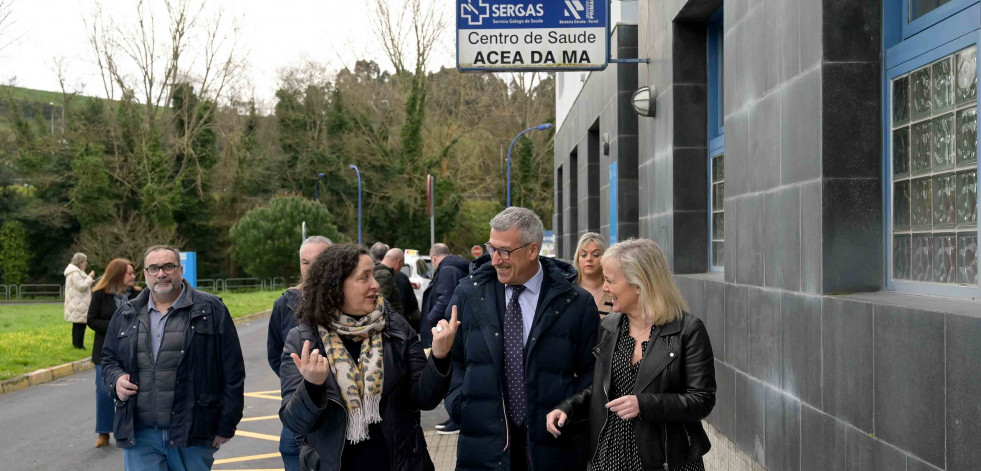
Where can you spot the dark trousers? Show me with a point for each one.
(78, 335)
(519, 448)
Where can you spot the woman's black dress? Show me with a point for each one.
(618, 443)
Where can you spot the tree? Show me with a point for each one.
(265, 241)
(6, 22)
(14, 253)
(124, 237)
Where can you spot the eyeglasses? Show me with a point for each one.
(505, 254)
(168, 269)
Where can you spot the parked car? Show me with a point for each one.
(419, 270)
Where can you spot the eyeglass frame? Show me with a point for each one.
(491, 249)
(161, 268)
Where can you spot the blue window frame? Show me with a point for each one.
(914, 22)
(930, 147)
(716, 140)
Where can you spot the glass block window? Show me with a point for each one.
(934, 169)
(718, 213)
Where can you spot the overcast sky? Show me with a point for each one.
(276, 34)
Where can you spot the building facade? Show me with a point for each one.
(811, 174)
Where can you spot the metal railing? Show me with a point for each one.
(40, 291)
(214, 285)
(243, 284)
(210, 285)
(276, 283)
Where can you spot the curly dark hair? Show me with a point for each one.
(323, 289)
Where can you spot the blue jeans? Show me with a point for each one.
(104, 409)
(150, 453)
(290, 449)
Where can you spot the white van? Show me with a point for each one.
(419, 270)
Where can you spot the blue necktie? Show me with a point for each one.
(514, 358)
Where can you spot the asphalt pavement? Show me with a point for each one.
(51, 426)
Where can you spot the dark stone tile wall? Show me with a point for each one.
(856, 382)
(908, 410)
(750, 417)
(816, 367)
(963, 384)
(846, 346)
(603, 100)
(765, 335)
(782, 432)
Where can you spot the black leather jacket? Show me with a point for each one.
(675, 390)
(412, 383)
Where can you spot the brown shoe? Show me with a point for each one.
(102, 441)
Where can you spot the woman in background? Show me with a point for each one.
(78, 293)
(587, 262)
(115, 288)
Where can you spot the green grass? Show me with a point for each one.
(29, 94)
(36, 336)
(243, 304)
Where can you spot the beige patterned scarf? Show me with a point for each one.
(361, 382)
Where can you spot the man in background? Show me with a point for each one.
(385, 273)
(448, 269)
(283, 319)
(407, 295)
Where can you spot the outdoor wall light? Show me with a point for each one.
(643, 101)
(606, 143)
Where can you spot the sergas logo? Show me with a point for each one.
(474, 11)
(474, 14)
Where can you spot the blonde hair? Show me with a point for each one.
(585, 239)
(644, 266)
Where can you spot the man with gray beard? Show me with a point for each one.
(173, 363)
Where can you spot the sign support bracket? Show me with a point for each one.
(609, 52)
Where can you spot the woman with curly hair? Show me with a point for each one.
(354, 375)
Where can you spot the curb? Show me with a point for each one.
(251, 317)
(45, 375)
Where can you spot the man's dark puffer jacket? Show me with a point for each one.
(558, 364)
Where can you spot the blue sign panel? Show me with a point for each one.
(613, 203)
(522, 35)
(189, 260)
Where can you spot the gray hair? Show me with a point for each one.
(525, 220)
(395, 254)
(438, 250)
(378, 251)
(78, 259)
(162, 247)
(317, 239)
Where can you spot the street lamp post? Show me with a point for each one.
(316, 186)
(355, 168)
(540, 127)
